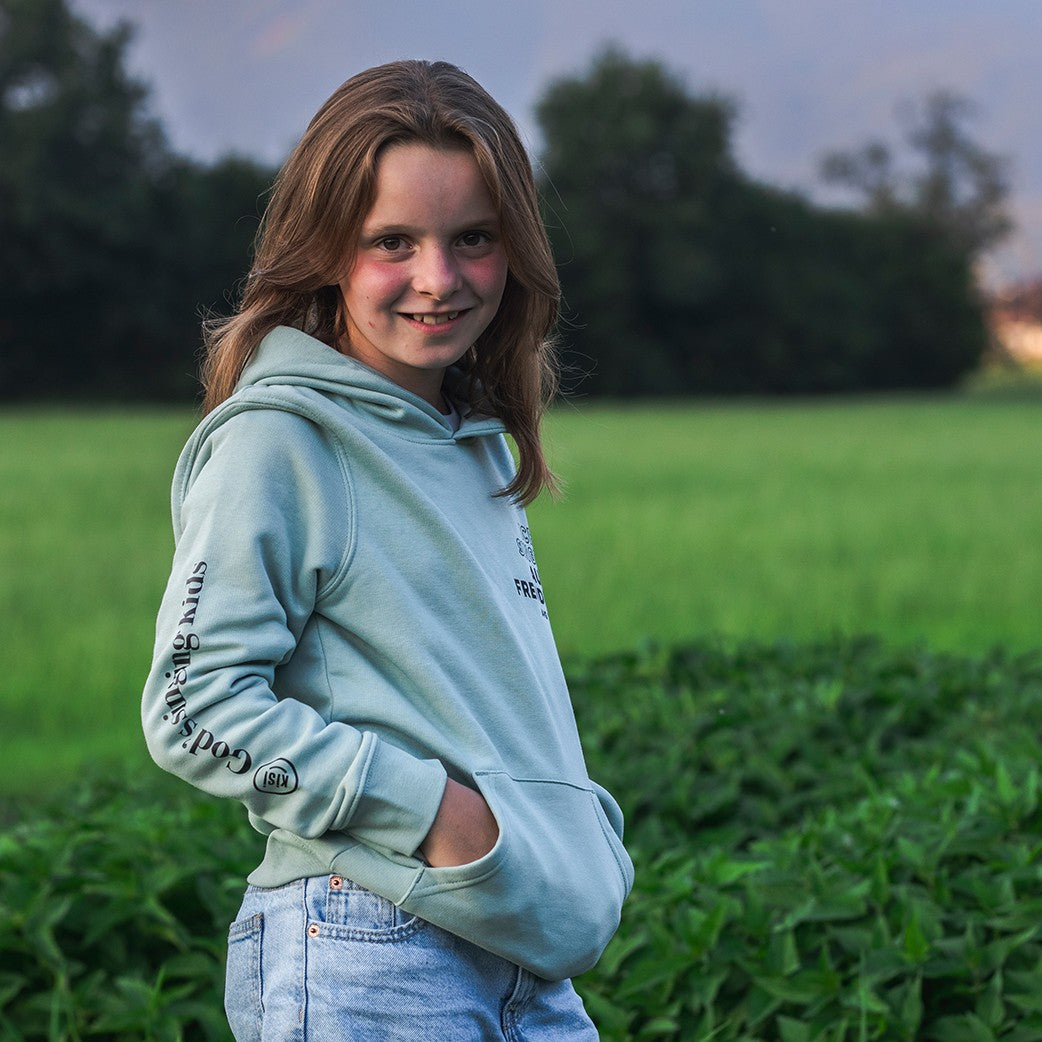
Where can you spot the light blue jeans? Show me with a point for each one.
(322, 960)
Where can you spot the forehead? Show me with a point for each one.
(416, 183)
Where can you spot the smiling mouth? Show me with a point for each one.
(436, 320)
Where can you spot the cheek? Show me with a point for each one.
(489, 276)
(372, 284)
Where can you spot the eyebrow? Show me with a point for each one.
(376, 231)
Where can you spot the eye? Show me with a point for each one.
(471, 240)
(391, 243)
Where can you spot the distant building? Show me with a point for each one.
(1015, 318)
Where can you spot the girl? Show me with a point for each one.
(354, 640)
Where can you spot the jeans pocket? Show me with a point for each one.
(242, 990)
(351, 912)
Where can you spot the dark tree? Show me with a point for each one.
(955, 184)
(109, 244)
(682, 276)
(632, 165)
(76, 166)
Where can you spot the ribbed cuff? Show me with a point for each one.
(399, 801)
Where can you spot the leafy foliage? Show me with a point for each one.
(959, 187)
(111, 245)
(837, 841)
(833, 842)
(110, 913)
(681, 275)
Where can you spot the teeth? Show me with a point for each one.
(434, 320)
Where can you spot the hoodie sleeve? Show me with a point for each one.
(263, 527)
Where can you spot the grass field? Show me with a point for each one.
(915, 519)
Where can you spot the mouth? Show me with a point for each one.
(442, 318)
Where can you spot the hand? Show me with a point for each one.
(463, 830)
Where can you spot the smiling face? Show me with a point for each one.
(429, 269)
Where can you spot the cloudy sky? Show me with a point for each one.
(808, 75)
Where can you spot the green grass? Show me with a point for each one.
(85, 543)
(914, 519)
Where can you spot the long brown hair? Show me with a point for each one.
(311, 225)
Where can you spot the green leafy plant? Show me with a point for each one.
(836, 842)
(111, 911)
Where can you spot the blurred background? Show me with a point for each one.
(744, 196)
(800, 248)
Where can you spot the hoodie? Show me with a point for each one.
(352, 616)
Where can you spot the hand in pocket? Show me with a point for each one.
(464, 829)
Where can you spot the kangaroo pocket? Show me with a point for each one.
(549, 895)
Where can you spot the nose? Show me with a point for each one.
(437, 273)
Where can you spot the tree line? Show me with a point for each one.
(111, 245)
(681, 274)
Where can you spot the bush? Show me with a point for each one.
(833, 842)
(723, 746)
(113, 911)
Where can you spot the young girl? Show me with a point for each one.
(354, 640)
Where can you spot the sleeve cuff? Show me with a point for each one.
(399, 801)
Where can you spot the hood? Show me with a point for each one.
(287, 357)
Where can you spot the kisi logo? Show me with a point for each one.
(278, 778)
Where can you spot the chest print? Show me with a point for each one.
(528, 585)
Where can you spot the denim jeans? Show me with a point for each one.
(323, 960)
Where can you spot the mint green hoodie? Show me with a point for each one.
(351, 616)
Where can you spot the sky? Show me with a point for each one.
(808, 76)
